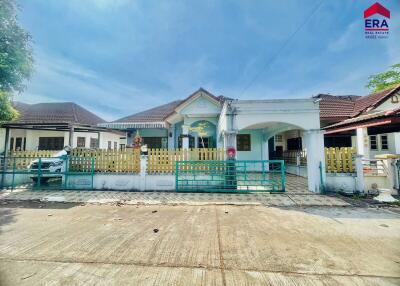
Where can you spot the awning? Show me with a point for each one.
(364, 124)
(133, 125)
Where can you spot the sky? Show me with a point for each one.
(119, 57)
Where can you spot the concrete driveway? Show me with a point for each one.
(74, 244)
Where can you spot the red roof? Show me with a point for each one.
(348, 106)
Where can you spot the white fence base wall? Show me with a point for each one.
(344, 182)
(124, 182)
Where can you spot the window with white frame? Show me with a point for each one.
(109, 145)
(80, 142)
(373, 142)
(384, 142)
(278, 139)
(94, 143)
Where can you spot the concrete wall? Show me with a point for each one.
(256, 140)
(341, 182)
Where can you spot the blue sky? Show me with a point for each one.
(118, 57)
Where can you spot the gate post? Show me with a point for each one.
(143, 172)
(314, 140)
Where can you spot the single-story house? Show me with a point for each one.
(255, 128)
(370, 123)
(51, 126)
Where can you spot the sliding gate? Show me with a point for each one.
(231, 176)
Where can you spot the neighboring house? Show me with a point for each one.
(371, 123)
(51, 126)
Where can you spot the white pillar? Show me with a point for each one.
(360, 174)
(314, 143)
(363, 142)
(185, 138)
(396, 137)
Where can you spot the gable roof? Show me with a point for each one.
(160, 113)
(373, 100)
(348, 106)
(57, 112)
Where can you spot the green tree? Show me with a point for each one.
(16, 60)
(385, 79)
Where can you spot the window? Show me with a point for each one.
(243, 142)
(294, 144)
(109, 145)
(18, 143)
(24, 144)
(115, 145)
(278, 138)
(51, 143)
(204, 142)
(80, 142)
(384, 142)
(94, 143)
(373, 143)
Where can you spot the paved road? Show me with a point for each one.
(73, 244)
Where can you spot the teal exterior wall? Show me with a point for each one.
(256, 141)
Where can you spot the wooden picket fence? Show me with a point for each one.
(339, 160)
(21, 159)
(161, 161)
(106, 161)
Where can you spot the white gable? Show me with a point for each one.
(203, 104)
(390, 103)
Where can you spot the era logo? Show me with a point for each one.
(376, 20)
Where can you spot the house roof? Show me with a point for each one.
(57, 112)
(369, 119)
(160, 113)
(348, 106)
(336, 107)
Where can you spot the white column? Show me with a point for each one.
(185, 138)
(314, 143)
(360, 174)
(396, 137)
(171, 139)
(265, 151)
(363, 142)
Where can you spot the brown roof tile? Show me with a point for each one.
(58, 112)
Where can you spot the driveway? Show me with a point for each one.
(87, 244)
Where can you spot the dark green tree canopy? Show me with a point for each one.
(385, 79)
(16, 60)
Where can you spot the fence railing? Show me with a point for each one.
(374, 167)
(164, 160)
(26, 157)
(106, 161)
(340, 160)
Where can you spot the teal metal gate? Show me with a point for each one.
(231, 176)
(65, 172)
